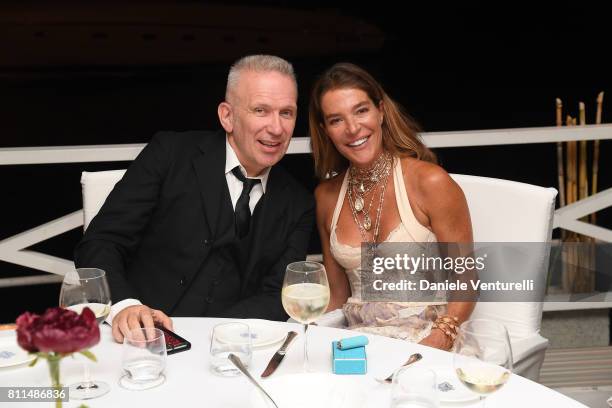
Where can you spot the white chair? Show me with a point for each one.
(95, 187)
(506, 211)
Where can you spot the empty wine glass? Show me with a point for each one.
(305, 295)
(414, 387)
(86, 287)
(483, 356)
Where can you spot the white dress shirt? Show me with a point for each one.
(234, 186)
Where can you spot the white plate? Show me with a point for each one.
(11, 355)
(263, 334)
(450, 389)
(296, 391)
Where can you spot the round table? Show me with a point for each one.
(189, 383)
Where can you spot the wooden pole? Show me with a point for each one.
(595, 168)
(560, 172)
(568, 166)
(574, 167)
(570, 275)
(572, 170)
(594, 174)
(583, 182)
(583, 258)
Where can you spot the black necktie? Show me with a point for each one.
(242, 214)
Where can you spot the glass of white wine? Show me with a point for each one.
(305, 295)
(87, 287)
(483, 356)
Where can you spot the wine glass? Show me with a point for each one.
(483, 356)
(414, 387)
(305, 295)
(87, 287)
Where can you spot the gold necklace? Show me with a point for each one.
(360, 183)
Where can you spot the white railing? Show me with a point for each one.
(13, 249)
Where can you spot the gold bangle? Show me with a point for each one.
(448, 325)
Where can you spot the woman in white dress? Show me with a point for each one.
(380, 184)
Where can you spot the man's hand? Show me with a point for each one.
(135, 317)
(437, 339)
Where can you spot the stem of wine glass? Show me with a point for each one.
(483, 404)
(86, 383)
(306, 348)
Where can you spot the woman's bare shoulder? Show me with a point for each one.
(326, 196)
(328, 189)
(425, 173)
(427, 179)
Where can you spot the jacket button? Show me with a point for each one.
(208, 242)
(183, 280)
(209, 299)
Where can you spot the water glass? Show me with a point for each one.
(144, 359)
(229, 338)
(414, 387)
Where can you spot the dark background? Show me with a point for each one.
(117, 72)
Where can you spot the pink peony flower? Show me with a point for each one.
(58, 330)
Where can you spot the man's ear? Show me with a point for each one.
(226, 116)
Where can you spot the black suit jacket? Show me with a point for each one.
(159, 240)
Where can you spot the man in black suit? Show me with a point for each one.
(203, 223)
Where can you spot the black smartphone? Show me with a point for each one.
(174, 342)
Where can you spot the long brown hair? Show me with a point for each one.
(399, 130)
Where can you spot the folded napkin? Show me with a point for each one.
(335, 318)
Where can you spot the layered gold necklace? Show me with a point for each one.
(363, 181)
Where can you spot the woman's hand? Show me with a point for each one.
(437, 339)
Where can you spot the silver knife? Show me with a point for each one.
(279, 355)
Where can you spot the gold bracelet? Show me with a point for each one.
(448, 325)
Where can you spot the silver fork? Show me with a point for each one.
(236, 361)
(413, 359)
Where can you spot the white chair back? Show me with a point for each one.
(95, 187)
(508, 211)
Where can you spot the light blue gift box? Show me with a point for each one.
(351, 361)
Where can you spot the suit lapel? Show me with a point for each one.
(209, 167)
(272, 205)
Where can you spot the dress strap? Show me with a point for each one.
(417, 231)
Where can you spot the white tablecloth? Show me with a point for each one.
(189, 382)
